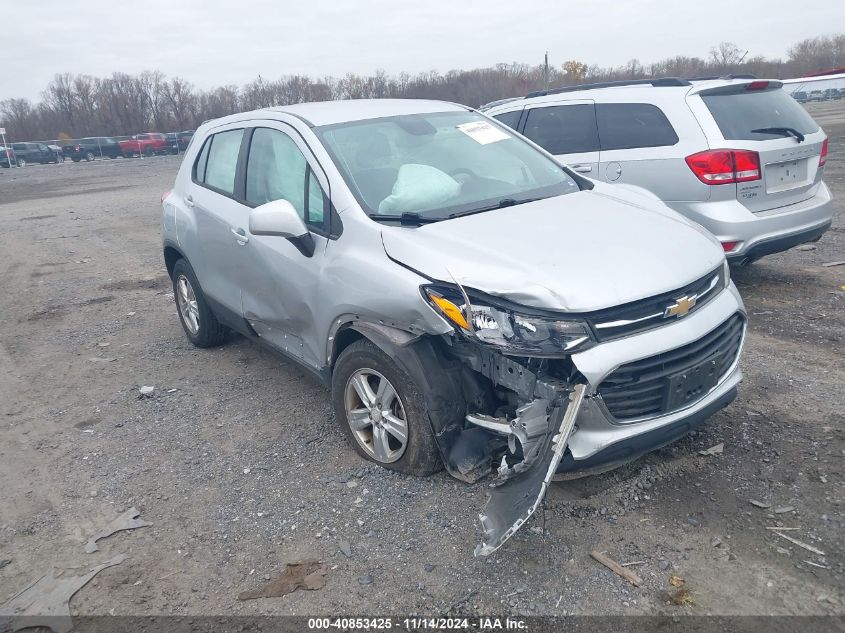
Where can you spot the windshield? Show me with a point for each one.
(440, 165)
(738, 114)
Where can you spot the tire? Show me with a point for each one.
(149, 152)
(89, 156)
(21, 162)
(76, 160)
(363, 360)
(125, 155)
(208, 332)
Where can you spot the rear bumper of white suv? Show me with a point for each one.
(601, 439)
(764, 232)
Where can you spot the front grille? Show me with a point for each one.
(642, 388)
(637, 316)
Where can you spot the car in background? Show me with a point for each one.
(185, 139)
(146, 144)
(815, 95)
(738, 156)
(172, 139)
(90, 148)
(26, 153)
(800, 96)
(7, 156)
(831, 93)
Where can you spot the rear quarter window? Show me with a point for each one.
(738, 113)
(633, 125)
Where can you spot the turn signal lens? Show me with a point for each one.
(449, 310)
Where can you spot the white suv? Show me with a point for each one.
(738, 156)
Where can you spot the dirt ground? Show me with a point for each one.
(239, 464)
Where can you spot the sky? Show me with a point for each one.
(214, 42)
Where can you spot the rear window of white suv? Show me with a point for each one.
(739, 113)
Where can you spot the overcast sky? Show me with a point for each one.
(214, 42)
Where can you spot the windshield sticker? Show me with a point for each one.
(482, 132)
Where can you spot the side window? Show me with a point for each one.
(223, 159)
(202, 161)
(631, 125)
(275, 170)
(567, 129)
(511, 119)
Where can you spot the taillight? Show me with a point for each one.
(729, 246)
(164, 195)
(823, 157)
(725, 166)
(757, 85)
(77, 148)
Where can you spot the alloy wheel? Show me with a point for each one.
(186, 299)
(376, 415)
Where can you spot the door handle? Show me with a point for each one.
(582, 169)
(189, 200)
(240, 235)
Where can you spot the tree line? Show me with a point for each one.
(73, 106)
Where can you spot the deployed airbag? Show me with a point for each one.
(419, 187)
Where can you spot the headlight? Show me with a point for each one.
(507, 329)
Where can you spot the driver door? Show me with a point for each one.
(280, 282)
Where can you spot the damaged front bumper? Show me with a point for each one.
(567, 420)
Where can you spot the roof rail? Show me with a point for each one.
(723, 77)
(657, 83)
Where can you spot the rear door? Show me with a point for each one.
(761, 117)
(220, 217)
(566, 129)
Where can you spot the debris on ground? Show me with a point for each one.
(681, 597)
(839, 263)
(713, 450)
(345, 548)
(366, 579)
(127, 521)
(615, 567)
(308, 574)
(759, 504)
(795, 541)
(45, 602)
(676, 581)
(146, 390)
(4, 562)
(806, 247)
(783, 509)
(102, 359)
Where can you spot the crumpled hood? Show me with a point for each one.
(580, 252)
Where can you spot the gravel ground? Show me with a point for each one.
(238, 462)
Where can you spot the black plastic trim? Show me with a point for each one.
(779, 244)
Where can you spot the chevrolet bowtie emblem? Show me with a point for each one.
(680, 308)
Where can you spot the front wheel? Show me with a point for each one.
(382, 411)
(21, 162)
(201, 326)
(89, 156)
(149, 152)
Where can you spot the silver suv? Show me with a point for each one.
(470, 302)
(738, 156)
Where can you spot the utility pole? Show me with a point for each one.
(546, 72)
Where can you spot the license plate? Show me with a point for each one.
(783, 176)
(692, 384)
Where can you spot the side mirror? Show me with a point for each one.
(278, 218)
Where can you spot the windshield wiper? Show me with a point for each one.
(783, 131)
(501, 204)
(406, 219)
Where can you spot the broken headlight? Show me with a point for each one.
(507, 328)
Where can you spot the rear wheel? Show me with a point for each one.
(149, 152)
(382, 411)
(75, 159)
(21, 162)
(201, 326)
(89, 156)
